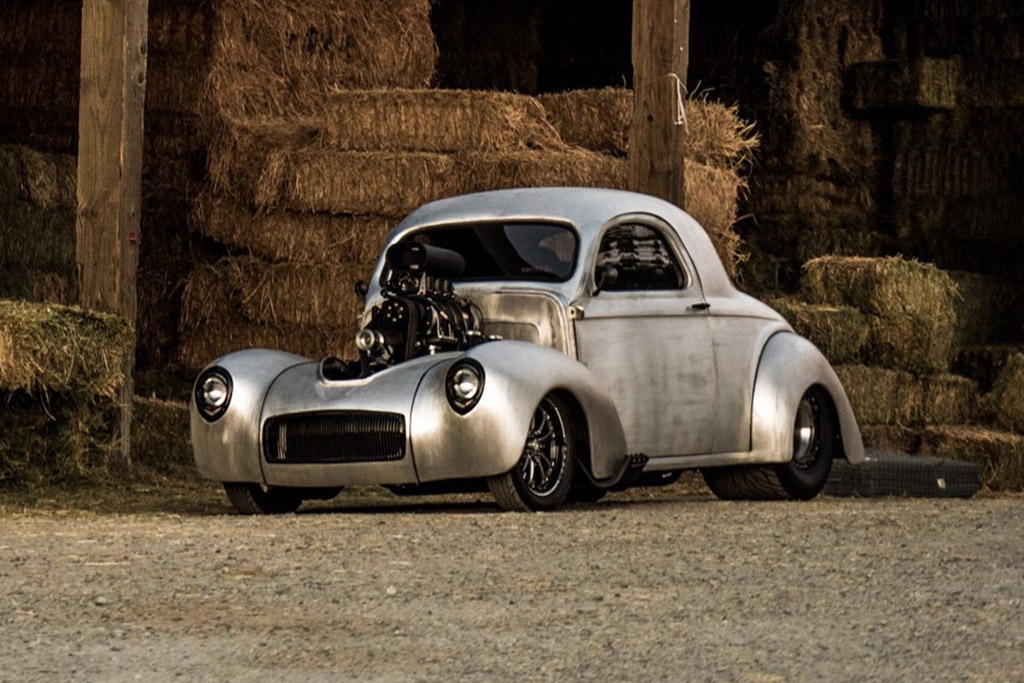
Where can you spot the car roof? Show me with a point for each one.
(588, 209)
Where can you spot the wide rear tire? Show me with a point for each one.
(543, 476)
(253, 499)
(803, 477)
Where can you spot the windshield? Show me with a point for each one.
(508, 251)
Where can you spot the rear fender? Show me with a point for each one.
(789, 366)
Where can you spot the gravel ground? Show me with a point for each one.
(668, 585)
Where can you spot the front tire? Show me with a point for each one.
(543, 476)
(803, 477)
(253, 499)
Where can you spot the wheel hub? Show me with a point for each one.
(805, 433)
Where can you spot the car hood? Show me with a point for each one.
(301, 389)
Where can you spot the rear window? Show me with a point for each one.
(508, 251)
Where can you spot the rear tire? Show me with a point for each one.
(803, 477)
(543, 476)
(253, 499)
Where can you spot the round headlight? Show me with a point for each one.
(465, 385)
(213, 393)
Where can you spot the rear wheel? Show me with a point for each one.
(542, 477)
(803, 477)
(253, 499)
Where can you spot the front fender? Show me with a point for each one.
(489, 439)
(789, 366)
(224, 450)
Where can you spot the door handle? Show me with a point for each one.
(702, 306)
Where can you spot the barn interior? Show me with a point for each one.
(887, 165)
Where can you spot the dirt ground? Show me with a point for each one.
(647, 585)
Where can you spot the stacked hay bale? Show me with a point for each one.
(889, 327)
(719, 144)
(60, 370)
(315, 155)
(297, 235)
(37, 225)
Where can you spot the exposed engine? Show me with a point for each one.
(420, 313)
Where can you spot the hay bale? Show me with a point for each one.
(1007, 397)
(246, 290)
(54, 438)
(884, 286)
(298, 293)
(381, 183)
(601, 120)
(986, 309)
(285, 56)
(570, 167)
(160, 436)
(891, 438)
(61, 349)
(434, 121)
(840, 332)
(949, 400)
(984, 363)
(201, 346)
(911, 342)
(598, 120)
(46, 180)
(34, 237)
(1000, 454)
(291, 236)
(880, 396)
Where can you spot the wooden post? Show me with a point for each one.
(111, 103)
(657, 147)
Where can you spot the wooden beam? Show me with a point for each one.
(110, 115)
(657, 147)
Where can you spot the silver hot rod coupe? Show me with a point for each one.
(548, 344)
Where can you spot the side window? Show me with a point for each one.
(634, 257)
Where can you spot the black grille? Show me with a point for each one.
(335, 437)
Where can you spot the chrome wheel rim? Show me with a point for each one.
(543, 460)
(805, 433)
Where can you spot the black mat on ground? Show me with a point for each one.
(899, 474)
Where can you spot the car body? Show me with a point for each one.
(616, 348)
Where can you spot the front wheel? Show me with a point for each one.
(803, 477)
(542, 477)
(253, 499)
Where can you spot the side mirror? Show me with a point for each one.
(362, 289)
(605, 276)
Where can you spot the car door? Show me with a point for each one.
(644, 330)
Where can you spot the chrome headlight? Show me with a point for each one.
(213, 393)
(464, 385)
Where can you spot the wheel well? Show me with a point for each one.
(581, 428)
(837, 430)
